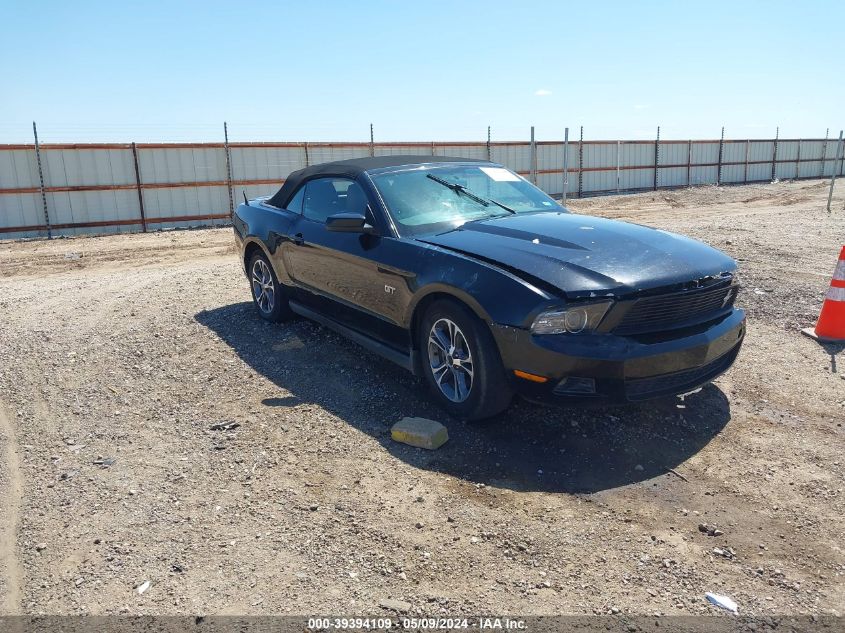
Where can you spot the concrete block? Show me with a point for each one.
(395, 605)
(420, 432)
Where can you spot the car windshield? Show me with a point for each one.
(434, 199)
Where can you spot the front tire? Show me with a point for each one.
(461, 362)
(268, 294)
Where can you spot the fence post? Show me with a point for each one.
(565, 163)
(228, 170)
(581, 164)
(41, 182)
(689, 163)
(533, 158)
(833, 175)
(798, 161)
(775, 154)
(721, 153)
(307, 158)
(841, 163)
(138, 186)
(618, 158)
(372, 141)
(489, 152)
(824, 153)
(747, 153)
(656, 156)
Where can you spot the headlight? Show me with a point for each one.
(574, 320)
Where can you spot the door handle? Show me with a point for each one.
(298, 239)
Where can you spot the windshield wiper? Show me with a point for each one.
(499, 204)
(460, 189)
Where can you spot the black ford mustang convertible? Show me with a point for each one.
(465, 273)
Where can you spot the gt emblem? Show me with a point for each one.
(389, 289)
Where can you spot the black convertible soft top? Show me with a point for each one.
(353, 168)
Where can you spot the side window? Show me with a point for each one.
(328, 196)
(356, 201)
(295, 203)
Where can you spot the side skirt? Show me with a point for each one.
(406, 361)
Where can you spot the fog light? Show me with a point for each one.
(575, 386)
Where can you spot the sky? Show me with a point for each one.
(419, 71)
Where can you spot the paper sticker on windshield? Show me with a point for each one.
(499, 174)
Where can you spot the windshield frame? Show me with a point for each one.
(402, 230)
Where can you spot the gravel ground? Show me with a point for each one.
(120, 355)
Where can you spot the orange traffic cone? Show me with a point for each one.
(831, 324)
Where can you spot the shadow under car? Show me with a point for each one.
(528, 447)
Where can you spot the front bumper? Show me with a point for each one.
(620, 368)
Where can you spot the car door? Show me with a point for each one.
(340, 274)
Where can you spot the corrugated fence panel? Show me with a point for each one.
(786, 171)
(636, 179)
(788, 150)
(94, 207)
(266, 163)
(760, 172)
(18, 169)
(181, 164)
(674, 154)
(190, 203)
(600, 155)
(733, 153)
(599, 181)
(672, 177)
(517, 156)
(23, 209)
(733, 173)
(413, 149)
(810, 169)
(87, 167)
(93, 188)
(550, 158)
(80, 167)
(636, 154)
(326, 152)
(703, 175)
(705, 153)
(552, 184)
(761, 151)
(829, 165)
(462, 150)
(811, 150)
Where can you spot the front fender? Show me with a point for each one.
(494, 294)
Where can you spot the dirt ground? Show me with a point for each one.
(131, 348)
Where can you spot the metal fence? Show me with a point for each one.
(68, 189)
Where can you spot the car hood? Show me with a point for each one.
(584, 255)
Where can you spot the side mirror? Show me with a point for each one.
(348, 223)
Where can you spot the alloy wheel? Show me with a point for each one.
(262, 286)
(450, 360)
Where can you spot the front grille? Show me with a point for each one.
(671, 384)
(664, 312)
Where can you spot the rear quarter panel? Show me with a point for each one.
(265, 227)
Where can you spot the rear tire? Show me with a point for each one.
(460, 362)
(268, 295)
